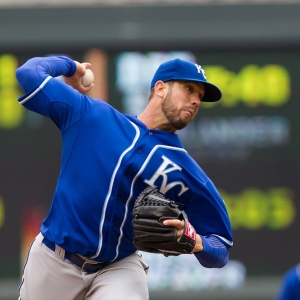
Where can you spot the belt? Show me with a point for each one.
(88, 267)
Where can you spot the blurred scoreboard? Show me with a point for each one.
(248, 144)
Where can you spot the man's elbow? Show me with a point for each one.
(216, 262)
(221, 263)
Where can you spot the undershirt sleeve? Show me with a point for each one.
(214, 255)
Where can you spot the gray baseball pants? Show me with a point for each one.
(49, 276)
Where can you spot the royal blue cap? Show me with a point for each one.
(178, 69)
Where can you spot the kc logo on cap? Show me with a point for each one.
(200, 70)
(182, 70)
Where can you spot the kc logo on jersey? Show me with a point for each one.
(164, 169)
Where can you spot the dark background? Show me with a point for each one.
(232, 36)
(30, 156)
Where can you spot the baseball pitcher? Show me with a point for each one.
(126, 184)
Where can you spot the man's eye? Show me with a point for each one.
(190, 89)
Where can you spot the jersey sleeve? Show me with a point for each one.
(207, 212)
(47, 95)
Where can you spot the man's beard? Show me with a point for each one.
(171, 112)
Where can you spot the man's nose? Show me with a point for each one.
(196, 100)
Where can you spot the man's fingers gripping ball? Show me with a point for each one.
(88, 78)
(151, 209)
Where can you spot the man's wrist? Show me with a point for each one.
(199, 245)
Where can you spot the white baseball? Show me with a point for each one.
(88, 78)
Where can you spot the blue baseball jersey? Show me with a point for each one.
(108, 158)
(290, 285)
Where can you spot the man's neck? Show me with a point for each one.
(155, 122)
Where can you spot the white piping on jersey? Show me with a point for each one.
(36, 91)
(110, 188)
(224, 240)
(131, 188)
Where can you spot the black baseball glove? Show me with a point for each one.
(149, 234)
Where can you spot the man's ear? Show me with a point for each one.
(160, 89)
